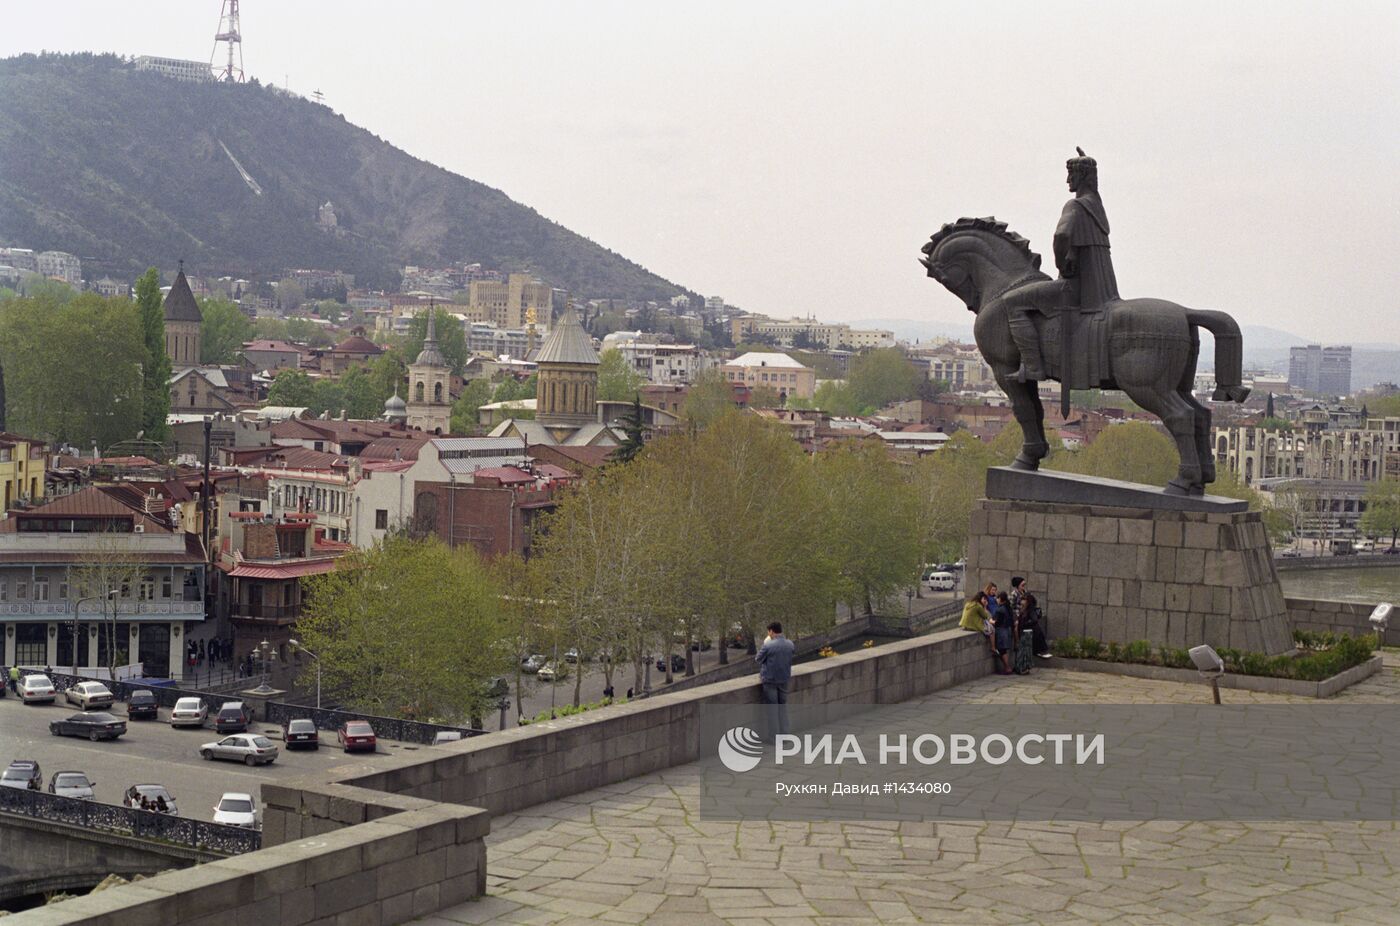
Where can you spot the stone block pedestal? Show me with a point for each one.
(1120, 574)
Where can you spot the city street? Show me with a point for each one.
(153, 752)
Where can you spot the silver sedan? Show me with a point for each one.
(248, 748)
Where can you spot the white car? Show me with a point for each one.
(188, 712)
(36, 688)
(533, 663)
(550, 672)
(88, 695)
(236, 809)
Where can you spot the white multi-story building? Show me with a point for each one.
(491, 340)
(663, 363)
(20, 259)
(61, 265)
(178, 68)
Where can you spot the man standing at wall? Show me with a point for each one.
(774, 671)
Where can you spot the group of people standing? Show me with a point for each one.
(1011, 621)
(216, 651)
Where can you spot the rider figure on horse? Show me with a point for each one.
(1082, 256)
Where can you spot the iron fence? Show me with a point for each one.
(165, 695)
(127, 821)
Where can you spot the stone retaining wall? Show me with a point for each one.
(383, 845)
(1349, 617)
(386, 872)
(544, 761)
(1293, 686)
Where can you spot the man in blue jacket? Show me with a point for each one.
(774, 672)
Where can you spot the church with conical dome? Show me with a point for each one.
(566, 392)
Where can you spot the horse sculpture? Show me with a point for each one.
(1145, 347)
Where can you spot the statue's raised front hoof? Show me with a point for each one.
(1024, 462)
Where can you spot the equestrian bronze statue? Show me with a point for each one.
(1076, 329)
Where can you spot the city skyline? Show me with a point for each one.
(793, 162)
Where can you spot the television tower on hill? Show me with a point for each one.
(228, 34)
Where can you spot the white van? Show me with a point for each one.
(939, 581)
(1364, 546)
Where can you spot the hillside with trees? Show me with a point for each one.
(128, 169)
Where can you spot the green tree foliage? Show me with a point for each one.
(1276, 424)
(879, 377)
(408, 628)
(271, 329)
(1133, 451)
(451, 338)
(1382, 514)
(1384, 407)
(155, 369)
(835, 397)
(634, 430)
(511, 389)
(223, 331)
(464, 411)
(872, 527)
(947, 484)
(305, 331)
(618, 381)
(765, 396)
(291, 388)
(73, 371)
(708, 397)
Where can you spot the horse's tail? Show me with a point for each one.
(1229, 353)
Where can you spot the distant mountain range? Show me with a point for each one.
(129, 169)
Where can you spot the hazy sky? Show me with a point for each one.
(793, 157)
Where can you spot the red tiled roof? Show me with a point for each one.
(294, 458)
(290, 569)
(383, 448)
(90, 502)
(550, 471)
(503, 474)
(358, 345)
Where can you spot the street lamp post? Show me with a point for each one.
(263, 651)
(296, 644)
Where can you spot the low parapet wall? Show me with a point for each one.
(1349, 617)
(384, 845)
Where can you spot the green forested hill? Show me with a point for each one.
(127, 169)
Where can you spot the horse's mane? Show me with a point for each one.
(987, 224)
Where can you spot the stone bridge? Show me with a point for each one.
(37, 856)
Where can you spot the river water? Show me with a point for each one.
(1368, 584)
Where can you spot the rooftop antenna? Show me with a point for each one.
(229, 34)
(319, 96)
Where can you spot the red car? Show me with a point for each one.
(356, 736)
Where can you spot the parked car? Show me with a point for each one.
(157, 799)
(301, 732)
(248, 748)
(36, 688)
(235, 809)
(71, 784)
(573, 655)
(1290, 554)
(95, 725)
(233, 717)
(677, 663)
(551, 672)
(141, 705)
(188, 712)
(357, 736)
(1391, 551)
(88, 695)
(446, 736)
(533, 663)
(23, 774)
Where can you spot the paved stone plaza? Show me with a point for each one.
(637, 852)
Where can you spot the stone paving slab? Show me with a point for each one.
(638, 852)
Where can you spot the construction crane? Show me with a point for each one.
(229, 35)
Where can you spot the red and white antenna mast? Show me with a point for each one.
(228, 34)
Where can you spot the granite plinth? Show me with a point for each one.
(1120, 574)
(1004, 482)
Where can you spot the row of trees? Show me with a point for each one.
(701, 536)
